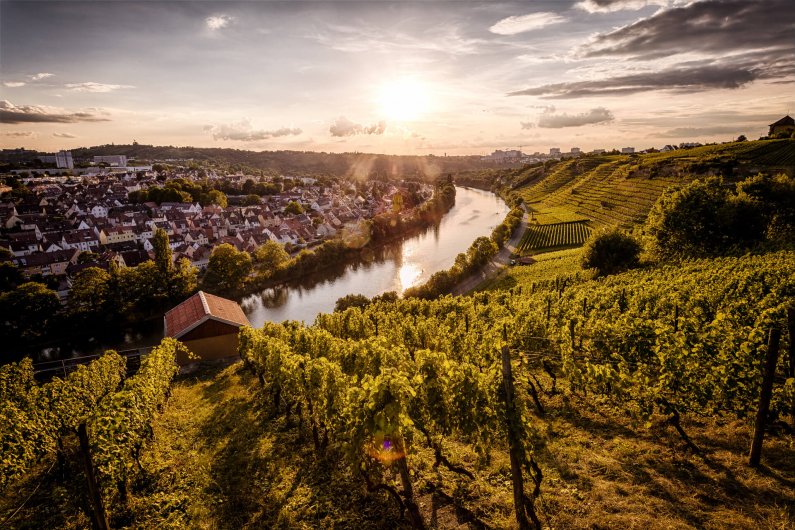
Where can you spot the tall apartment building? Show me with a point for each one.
(63, 159)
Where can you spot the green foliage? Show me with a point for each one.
(270, 256)
(293, 208)
(33, 418)
(611, 251)
(121, 423)
(28, 310)
(351, 300)
(227, 269)
(218, 197)
(90, 293)
(163, 256)
(706, 218)
(10, 276)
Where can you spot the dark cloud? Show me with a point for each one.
(345, 127)
(244, 132)
(10, 113)
(691, 79)
(64, 135)
(21, 134)
(550, 120)
(708, 26)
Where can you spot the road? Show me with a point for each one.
(497, 263)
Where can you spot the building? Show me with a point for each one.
(112, 160)
(575, 150)
(207, 325)
(554, 151)
(627, 150)
(785, 125)
(63, 159)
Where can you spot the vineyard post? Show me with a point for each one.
(99, 519)
(676, 318)
(549, 309)
(514, 443)
(791, 331)
(764, 398)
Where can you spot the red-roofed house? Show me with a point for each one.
(207, 325)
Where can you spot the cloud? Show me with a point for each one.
(217, 22)
(683, 80)
(64, 135)
(550, 120)
(21, 134)
(244, 132)
(708, 26)
(39, 76)
(345, 127)
(523, 23)
(10, 113)
(90, 86)
(609, 6)
(690, 132)
(34, 77)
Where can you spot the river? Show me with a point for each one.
(394, 267)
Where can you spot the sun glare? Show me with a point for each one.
(403, 100)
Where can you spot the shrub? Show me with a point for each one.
(610, 252)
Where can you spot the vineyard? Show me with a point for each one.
(474, 405)
(619, 191)
(538, 237)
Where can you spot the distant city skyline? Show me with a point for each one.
(393, 77)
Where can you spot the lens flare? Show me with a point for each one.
(383, 449)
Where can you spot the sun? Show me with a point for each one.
(403, 99)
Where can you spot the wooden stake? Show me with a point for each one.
(764, 398)
(99, 520)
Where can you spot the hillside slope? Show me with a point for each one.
(619, 190)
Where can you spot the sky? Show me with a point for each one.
(396, 77)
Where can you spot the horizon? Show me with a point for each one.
(396, 78)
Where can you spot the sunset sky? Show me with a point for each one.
(421, 77)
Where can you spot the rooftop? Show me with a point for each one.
(199, 308)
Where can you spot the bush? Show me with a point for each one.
(610, 252)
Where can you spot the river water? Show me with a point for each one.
(394, 267)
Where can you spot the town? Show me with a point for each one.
(55, 225)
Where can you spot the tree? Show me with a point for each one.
(227, 269)
(87, 257)
(10, 276)
(90, 292)
(183, 281)
(742, 138)
(269, 256)
(218, 197)
(163, 256)
(294, 208)
(611, 251)
(28, 311)
(351, 300)
(251, 200)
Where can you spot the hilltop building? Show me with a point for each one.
(207, 325)
(784, 125)
(554, 151)
(627, 150)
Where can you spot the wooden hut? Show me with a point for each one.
(207, 325)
